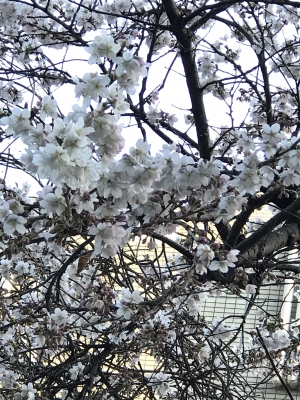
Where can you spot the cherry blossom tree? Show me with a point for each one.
(112, 260)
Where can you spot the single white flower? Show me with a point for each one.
(22, 268)
(204, 252)
(49, 107)
(232, 255)
(221, 265)
(131, 297)
(131, 66)
(102, 46)
(28, 391)
(14, 223)
(15, 206)
(250, 289)
(54, 203)
(60, 317)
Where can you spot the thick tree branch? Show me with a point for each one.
(271, 243)
(210, 10)
(244, 215)
(268, 226)
(187, 51)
